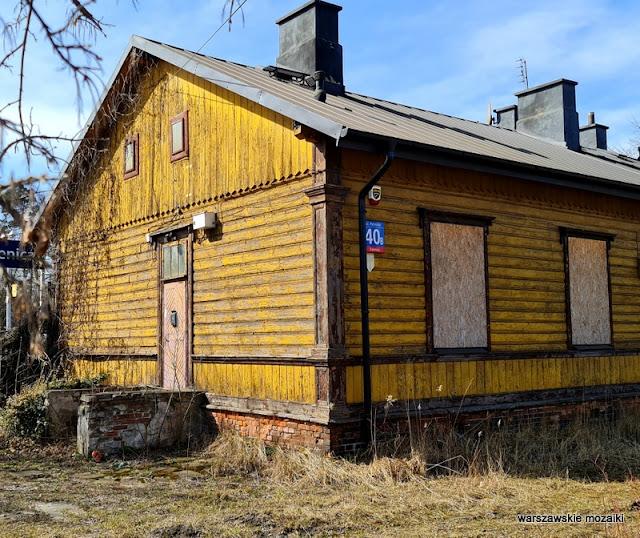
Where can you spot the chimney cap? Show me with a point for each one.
(505, 108)
(547, 85)
(593, 126)
(306, 6)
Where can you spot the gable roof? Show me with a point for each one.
(361, 122)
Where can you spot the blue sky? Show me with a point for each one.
(449, 57)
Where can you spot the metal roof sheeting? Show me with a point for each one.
(352, 114)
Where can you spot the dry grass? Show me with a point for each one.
(440, 484)
(600, 448)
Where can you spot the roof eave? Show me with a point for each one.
(261, 97)
(90, 121)
(481, 163)
(164, 52)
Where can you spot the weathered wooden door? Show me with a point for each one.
(174, 334)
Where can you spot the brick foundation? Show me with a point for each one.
(345, 437)
(273, 429)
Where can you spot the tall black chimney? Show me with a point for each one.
(309, 43)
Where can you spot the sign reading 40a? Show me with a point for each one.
(375, 236)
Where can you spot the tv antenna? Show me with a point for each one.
(524, 76)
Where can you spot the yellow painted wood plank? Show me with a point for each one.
(357, 384)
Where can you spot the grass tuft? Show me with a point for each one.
(591, 449)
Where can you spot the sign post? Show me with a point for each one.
(7, 304)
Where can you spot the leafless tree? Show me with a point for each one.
(70, 45)
(230, 8)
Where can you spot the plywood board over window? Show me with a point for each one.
(588, 288)
(457, 298)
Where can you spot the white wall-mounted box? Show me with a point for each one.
(204, 221)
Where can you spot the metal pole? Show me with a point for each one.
(41, 286)
(7, 303)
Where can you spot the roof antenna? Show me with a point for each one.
(524, 76)
(490, 119)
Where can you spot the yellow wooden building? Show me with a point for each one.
(208, 236)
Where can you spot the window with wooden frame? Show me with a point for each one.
(455, 248)
(132, 156)
(587, 288)
(174, 260)
(179, 127)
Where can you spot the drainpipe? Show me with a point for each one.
(364, 291)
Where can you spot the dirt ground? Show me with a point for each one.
(47, 492)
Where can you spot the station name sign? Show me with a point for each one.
(14, 255)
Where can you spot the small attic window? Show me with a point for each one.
(131, 156)
(180, 136)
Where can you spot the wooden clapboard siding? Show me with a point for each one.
(424, 380)
(108, 298)
(253, 282)
(276, 382)
(124, 372)
(525, 256)
(253, 288)
(235, 146)
(525, 274)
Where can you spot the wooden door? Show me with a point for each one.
(174, 334)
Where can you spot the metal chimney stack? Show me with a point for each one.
(309, 43)
(549, 112)
(593, 135)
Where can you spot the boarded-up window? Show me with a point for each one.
(589, 305)
(456, 281)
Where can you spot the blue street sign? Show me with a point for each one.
(12, 255)
(375, 236)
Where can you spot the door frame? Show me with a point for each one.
(162, 239)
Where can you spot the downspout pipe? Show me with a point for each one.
(364, 291)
